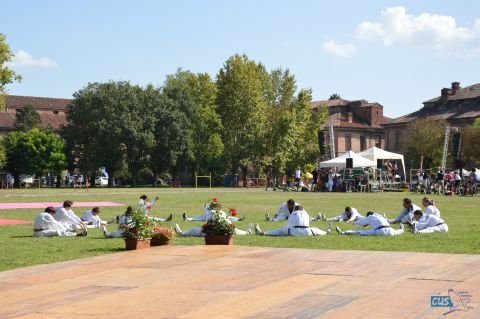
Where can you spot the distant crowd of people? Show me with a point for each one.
(447, 183)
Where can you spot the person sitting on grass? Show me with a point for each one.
(379, 226)
(213, 205)
(123, 223)
(428, 223)
(215, 214)
(92, 219)
(283, 211)
(67, 217)
(146, 206)
(45, 225)
(298, 224)
(406, 214)
(430, 208)
(350, 214)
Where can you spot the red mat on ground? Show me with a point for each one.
(45, 204)
(14, 222)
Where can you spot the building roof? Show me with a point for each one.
(328, 103)
(464, 104)
(469, 92)
(14, 101)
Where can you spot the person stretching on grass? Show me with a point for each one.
(427, 223)
(430, 208)
(67, 217)
(92, 219)
(45, 225)
(350, 214)
(298, 224)
(124, 222)
(406, 214)
(379, 226)
(208, 210)
(283, 211)
(146, 206)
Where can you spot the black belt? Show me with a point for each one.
(301, 227)
(439, 224)
(382, 227)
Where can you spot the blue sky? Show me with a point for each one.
(397, 53)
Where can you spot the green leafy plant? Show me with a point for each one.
(140, 226)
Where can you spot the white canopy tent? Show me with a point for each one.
(375, 153)
(340, 161)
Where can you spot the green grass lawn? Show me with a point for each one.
(19, 249)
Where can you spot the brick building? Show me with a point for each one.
(51, 110)
(458, 106)
(357, 125)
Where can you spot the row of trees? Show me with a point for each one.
(426, 139)
(247, 117)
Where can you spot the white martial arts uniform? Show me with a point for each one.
(298, 224)
(197, 231)
(123, 221)
(282, 212)
(432, 210)
(379, 227)
(45, 225)
(68, 219)
(430, 224)
(146, 206)
(344, 218)
(94, 221)
(406, 214)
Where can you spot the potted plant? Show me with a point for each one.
(138, 232)
(218, 229)
(161, 236)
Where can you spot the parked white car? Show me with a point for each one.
(101, 181)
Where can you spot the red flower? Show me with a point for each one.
(233, 212)
(214, 200)
(205, 226)
(147, 223)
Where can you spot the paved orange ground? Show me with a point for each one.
(241, 282)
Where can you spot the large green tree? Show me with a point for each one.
(290, 139)
(425, 140)
(194, 96)
(34, 152)
(93, 136)
(7, 75)
(242, 86)
(469, 153)
(27, 118)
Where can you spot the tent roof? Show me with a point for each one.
(375, 153)
(340, 161)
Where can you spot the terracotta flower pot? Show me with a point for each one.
(219, 240)
(159, 242)
(134, 244)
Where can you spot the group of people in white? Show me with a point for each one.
(62, 221)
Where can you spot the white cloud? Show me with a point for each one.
(396, 27)
(345, 50)
(23, 58)
(465, 54)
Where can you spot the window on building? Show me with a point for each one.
(55, 112)
(363, 143)
(397, 140)
(378, 141)
(348, 142)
